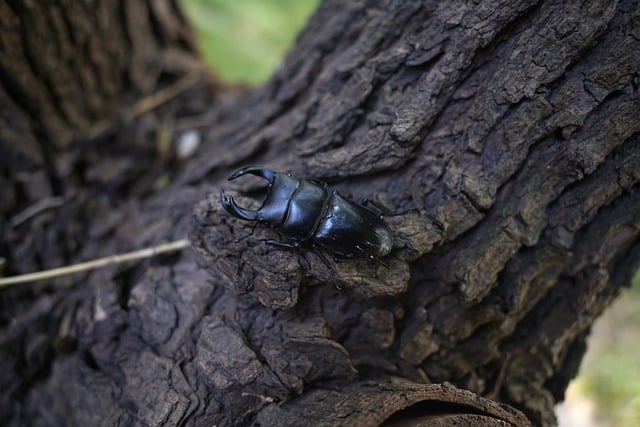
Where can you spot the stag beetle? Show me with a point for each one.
(308, 213)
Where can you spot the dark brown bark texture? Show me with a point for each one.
(68, 70)
(504, 134)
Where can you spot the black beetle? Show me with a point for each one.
(308, 213)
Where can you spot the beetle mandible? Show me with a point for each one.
(309, 213)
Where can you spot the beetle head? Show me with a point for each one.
(274, 208)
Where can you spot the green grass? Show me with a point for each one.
(615, 384)
(610, 372)
(244, 41)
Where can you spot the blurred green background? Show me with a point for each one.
(610, 371)
(244, 41)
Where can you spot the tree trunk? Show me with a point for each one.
(504, 136)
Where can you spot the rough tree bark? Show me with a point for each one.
(504, 133)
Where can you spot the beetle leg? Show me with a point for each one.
(279, 244)
(319, 183)
(250, 234)
(372, 259)
(380, 210)
(378, 262)
(383, 210)
(338, 258)
(328, 265)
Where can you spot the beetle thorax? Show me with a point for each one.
(293, 206)
(304, 210)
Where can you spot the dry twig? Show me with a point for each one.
(96, 263)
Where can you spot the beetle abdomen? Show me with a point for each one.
(352, 231)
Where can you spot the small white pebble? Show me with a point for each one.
(187, 144)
